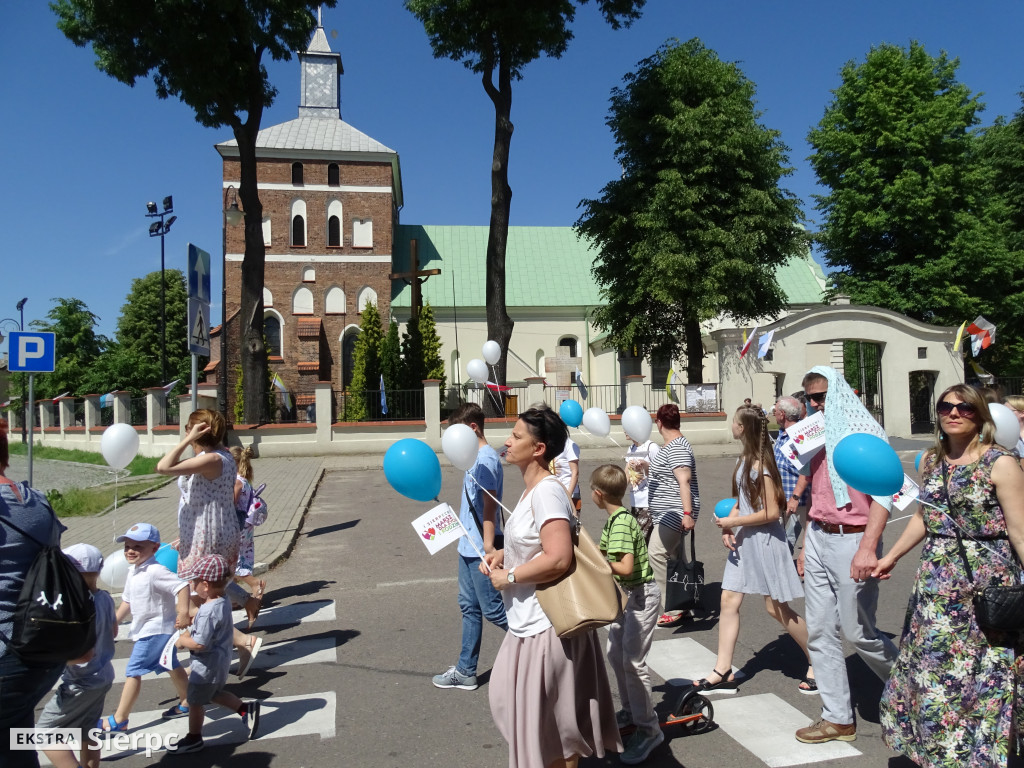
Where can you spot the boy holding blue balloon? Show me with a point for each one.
(159, 603)
(478, 599)
(841, 547)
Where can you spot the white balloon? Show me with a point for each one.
(491, 352)
(597, 421)
(115, 569)
(460, 444)
(1007, 426)
(636, 422)
(119, 444)
(477, 370)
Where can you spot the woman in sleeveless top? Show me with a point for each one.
(954, 696)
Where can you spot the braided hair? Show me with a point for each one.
(757, 453)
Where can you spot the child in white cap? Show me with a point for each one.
(159, 603)
(210, 641)
(78, 702)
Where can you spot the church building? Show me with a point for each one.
(331, 198)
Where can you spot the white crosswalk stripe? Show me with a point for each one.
(309, 714)
(761, 723)
(275, 616)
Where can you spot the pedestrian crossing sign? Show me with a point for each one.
(199, 327)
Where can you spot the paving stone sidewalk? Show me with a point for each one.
(291, 483)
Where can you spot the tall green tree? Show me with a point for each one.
(77, 346)
(132, 361)
(904, 221)
(1000, 149)
(697, 222)
(211, 56)
(496, 39)
(430, 345)
(391, 363)
(360, 403)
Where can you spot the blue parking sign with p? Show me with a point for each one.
(31, 352)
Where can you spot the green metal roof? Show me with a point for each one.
(545, 266)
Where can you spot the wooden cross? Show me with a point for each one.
(564, 367)
(415, 277)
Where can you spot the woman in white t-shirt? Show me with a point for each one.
(549, 697)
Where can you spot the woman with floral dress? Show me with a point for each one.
(954, 697)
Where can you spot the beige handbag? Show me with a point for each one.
(586, 596)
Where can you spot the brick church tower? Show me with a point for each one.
(331, 197)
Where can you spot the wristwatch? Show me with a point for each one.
(512, 576)
(795, 497)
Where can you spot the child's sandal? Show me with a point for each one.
(108, 723)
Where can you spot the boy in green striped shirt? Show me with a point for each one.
(629, 638)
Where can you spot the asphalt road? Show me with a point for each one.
(353, 687)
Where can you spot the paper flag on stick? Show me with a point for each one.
(959, 335)
(438, 528)
(764, 343)
(983, 335)
(984, 376)
(748, 342)
(168, 653)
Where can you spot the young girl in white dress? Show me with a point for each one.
(759, 560)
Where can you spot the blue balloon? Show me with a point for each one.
(571, 413)
(413, 469)
(917, 461)
(868, 464)
(724, 507)
(167, 556)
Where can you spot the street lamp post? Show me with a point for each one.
(233, 216)
(159, 229)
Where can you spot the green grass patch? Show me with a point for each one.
(81, 502)
(141, 465)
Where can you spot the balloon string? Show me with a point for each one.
(593, 436)
(470, 475)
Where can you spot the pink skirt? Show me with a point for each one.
(551, 700)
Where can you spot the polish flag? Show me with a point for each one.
(748, 342)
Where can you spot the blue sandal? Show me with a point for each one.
(110, 724)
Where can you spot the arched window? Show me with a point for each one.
(366, 294)
(348, 355)
(272, 335)
(333, 176)
(266, 232)
(302, 302)
(570, 342)
(298, 224)
(268, 297)
(309, 274)
(334, 301)
(334, 224)
(296, 173)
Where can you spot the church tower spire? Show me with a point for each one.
(320, 67)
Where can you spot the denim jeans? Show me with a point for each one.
(21, 688)
(477, 600)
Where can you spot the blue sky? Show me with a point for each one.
(84, 153)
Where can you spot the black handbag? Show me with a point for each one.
(686, 583)
(996, 607)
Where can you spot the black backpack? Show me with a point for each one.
(55, 618)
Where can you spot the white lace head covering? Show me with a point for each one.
(845, 415)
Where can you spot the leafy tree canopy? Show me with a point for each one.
(913, 221)
(77, 346)
(697, 222)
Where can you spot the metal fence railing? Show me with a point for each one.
(610, 398)
(174, 411)
(691, 398)
(401, 405)
(78, 413)
(137, 414)
(106, 416)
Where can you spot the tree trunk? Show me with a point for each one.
(253, 352)
(499, 324)
(694, 352)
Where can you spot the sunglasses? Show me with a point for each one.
(817, 397)
(966, 410)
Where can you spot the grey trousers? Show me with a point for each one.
(839, 607)
(629, 642)
(664, 549)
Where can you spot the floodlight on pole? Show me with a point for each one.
(160, 229)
